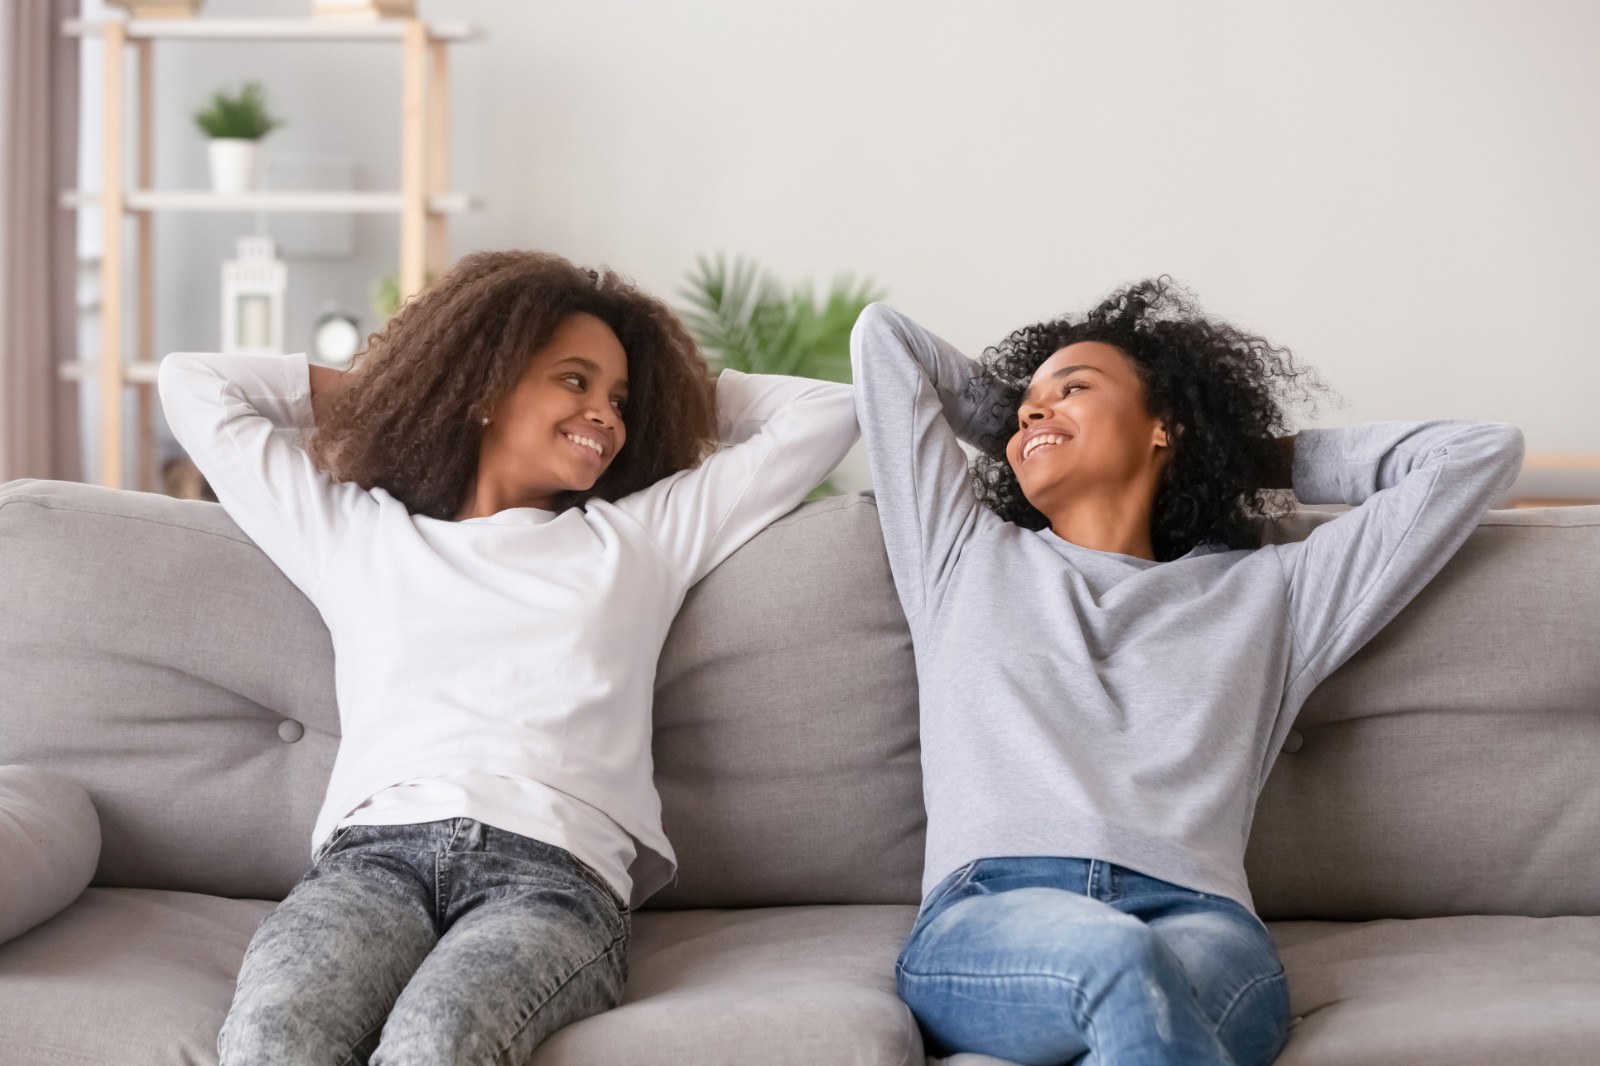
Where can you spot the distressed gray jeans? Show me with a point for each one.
(447, 942)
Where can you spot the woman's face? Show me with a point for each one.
(561, 426)
(1083, 429)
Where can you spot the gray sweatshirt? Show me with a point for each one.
(1089, 704)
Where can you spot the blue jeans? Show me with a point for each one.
(1044, 960)
(441, 942)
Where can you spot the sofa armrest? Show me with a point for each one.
(49, 846)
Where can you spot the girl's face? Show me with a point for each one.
(561, 426)
(1083, 428)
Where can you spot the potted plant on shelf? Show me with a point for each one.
(235, 125)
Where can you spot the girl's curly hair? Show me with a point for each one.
(407, 419)
(1221, 392)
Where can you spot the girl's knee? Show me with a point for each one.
(272, 1029)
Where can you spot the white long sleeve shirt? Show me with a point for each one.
(499, 668)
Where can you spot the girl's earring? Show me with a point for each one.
(486, 420)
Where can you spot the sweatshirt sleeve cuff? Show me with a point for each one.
(1319, 456)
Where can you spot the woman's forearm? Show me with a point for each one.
(1350, 464)
(904, 356)
(1281, 474)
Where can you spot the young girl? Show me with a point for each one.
(1109, 659)
(498, 514)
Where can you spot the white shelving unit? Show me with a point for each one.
(423, 201)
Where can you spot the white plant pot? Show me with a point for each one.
(233, 164)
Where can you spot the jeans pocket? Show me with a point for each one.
(585, 871)
(953, 881)
(330, 845)
(1255, 1027)
(1241, 911)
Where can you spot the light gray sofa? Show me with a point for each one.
(1427, 850)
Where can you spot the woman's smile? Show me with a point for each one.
(1042, 441)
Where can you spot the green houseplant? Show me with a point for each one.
(384, 292)
(745, 319)
(235, 123)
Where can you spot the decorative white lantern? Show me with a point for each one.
(253, 287)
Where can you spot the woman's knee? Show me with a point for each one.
(1014, 974)
(1045, 944)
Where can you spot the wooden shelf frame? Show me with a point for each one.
(249, 29)
(273, 200)
(423, 202)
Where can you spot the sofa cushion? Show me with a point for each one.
(140, 977)
(785, 742)
(49, 843)
(1443, 991)
(779, 986)
(124, 977)
(1436, 992)
(129, 977)
(1448, 767)
(192, 694)
(152, 652)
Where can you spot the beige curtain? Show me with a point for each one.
(38, 240)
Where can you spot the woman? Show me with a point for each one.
(497, 515)
(1109, 659)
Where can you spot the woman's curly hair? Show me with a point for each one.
(408, 418)
(1221, 392)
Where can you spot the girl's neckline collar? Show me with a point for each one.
(511, 516)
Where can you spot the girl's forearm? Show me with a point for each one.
(324, 382)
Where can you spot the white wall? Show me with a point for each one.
(1402, 192)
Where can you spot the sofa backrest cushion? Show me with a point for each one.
(1450, 766)
(786, 722)
(149, 650)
